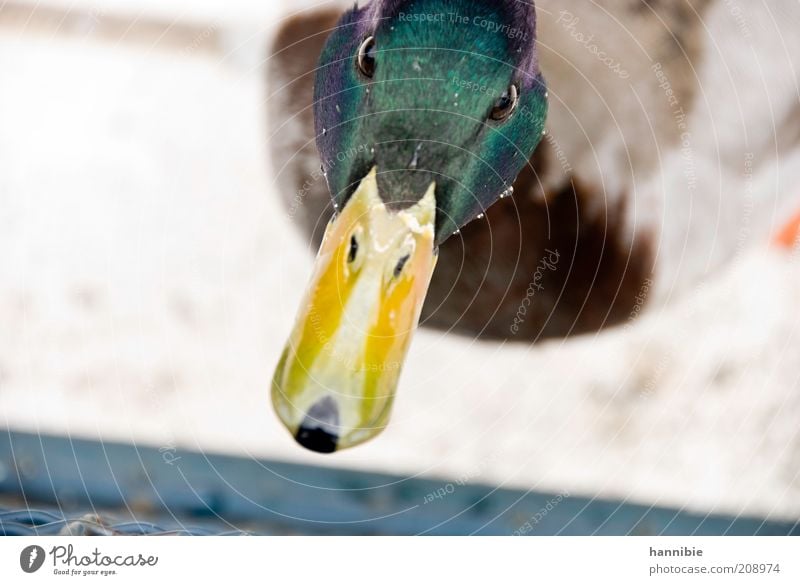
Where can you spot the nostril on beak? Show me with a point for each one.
(319, 431)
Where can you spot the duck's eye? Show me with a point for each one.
(505, 104)
(353, 253)
(398, 269)
(365, 59)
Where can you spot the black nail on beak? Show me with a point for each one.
(319, 430)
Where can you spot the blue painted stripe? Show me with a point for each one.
(147, 490)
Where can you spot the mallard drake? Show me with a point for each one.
(409, 126)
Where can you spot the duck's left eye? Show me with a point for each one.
(505, 104)
(365, 60)
(398, 268)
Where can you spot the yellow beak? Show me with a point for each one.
(336, 380)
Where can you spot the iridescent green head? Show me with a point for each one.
(431, 90)
(425, 112)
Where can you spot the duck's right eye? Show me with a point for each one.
(365, 60)
(505, 104)
(353, 253)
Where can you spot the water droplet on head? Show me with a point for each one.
(338, 109)
(324, 131)
(480, 216)
(412, 165)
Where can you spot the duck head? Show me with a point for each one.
(425, 112)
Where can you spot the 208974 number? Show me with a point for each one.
(757, 568)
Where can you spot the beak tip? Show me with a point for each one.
(316, 439)
(318, 431)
